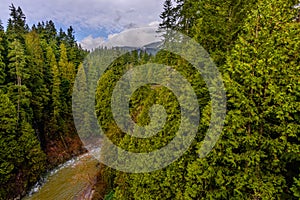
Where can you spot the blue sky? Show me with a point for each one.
(93, 19)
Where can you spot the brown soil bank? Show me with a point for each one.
(59, 151)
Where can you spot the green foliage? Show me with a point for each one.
(255, 44)
(7, 137)
(17, 66)
(55, 89)
(109, 196)
(168, 17)
(296, 187)
(36, 80)
(257, 157)
(16, 24)
(218, 25)
(259, 140)
(20, 151)
(37, 84)
(2, 51)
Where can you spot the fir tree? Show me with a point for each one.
(17, 26)
(19, 74)
(37, 84)
(168, 16)
(8, 141)
(63, 61)
(55, 89)
(2, 51)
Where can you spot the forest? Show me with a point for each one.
(254, 44)
(37, 69)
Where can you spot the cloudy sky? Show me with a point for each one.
(94, 21)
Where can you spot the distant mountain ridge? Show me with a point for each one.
(151, 48)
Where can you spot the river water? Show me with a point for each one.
(71, 181)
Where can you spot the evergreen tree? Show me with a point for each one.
(20, 153)
(34, 159)
(8, 140)
(66, 86)
(83, 120)
(37, 85)
(168, 16)
(259, 144)
(218, 24)
(70, 37)
(61, 36)
(187, 14)
(17, 26)
(19, 74)
(50, 31)
(36, 106)
(9, 153)
(63, 61)
(2, 51)
(55, 89)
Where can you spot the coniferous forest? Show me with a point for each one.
(37, 69)
(254, 44)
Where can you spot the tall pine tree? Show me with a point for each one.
(2, 55)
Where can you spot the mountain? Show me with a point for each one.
(151, 48)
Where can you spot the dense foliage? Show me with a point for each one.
(255, 44)
(37, 70)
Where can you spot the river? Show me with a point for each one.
(71, 181)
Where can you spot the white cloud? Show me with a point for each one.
(91, 43)
(154, 24)
(88, 16)
(133, 37)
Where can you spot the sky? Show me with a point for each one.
(94, 21)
